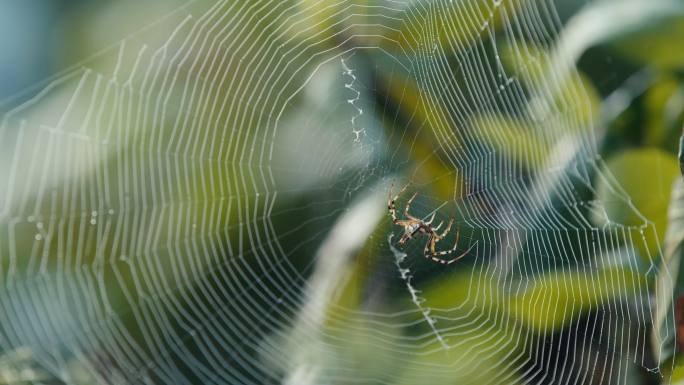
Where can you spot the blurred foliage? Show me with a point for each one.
(636, 148)
(653, 45)
(646, 176)
(671, 280)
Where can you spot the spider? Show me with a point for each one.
(414, 227)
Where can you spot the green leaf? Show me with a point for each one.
(338, 25)
(658, 102)
(435, 24)
(556, 299)
(573, 93)
(656, 44)
(640, 196)
(549, 302)
(628, 19)
(513, 138)
(424, 126)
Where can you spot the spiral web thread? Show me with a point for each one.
(163, 201)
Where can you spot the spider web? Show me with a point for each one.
(205, 202)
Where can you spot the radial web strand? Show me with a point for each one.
(206, 202)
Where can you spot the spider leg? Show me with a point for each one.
(430, 246)
(440, 237)
(434, 254)
(438, 226)
(404, 238)
(398, 194)
(432, 218)
(430, 243)
(446, 231)
(408, 206)
(452, 260)
(391, 207)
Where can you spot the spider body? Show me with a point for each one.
(415, 227)
(412, 229)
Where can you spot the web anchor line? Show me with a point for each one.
(433, 211)
(406, 276)
(357, 131)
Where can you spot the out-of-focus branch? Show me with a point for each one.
(333, 260)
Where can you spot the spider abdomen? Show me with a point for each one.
(413, 228)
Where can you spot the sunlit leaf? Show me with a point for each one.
(654, 44)
(422, 143)
(549, 302)
(678, 375)
(512, 138)
(436, 24)
(601, 22)
(519, 57)
(343, 24)
(580, 98)
(646, 176)
(574, 94)
(556, 299)
(658, 102)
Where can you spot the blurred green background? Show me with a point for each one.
(204, 255)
